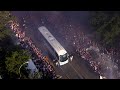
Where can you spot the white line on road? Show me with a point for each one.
(76, 71)
(64, 73)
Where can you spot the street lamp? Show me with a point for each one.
(21, 66)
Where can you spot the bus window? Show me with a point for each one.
(63, 57)
(56, 56)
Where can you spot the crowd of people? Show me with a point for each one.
(39, 59)
(102, 60)
(99, 58)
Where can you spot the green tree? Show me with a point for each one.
(5, 17)
(11, 56)
(35, 75)
(16, 59)
(106, 24)
(27, 74)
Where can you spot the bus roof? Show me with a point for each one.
(51, 39)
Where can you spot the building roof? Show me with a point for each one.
(32, 66)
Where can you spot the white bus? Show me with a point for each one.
(62, 57)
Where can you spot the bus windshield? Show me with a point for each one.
(63, 57)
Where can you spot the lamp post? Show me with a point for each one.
(21, 67)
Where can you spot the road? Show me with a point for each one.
(55, 22)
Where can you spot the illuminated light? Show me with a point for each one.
(102, 77)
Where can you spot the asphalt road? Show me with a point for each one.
(76, 69)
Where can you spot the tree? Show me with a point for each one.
(11, 56)
(27, 74)
(5, 40)
(35, 75)
(5, 17)
(106, 24)
(16, 59)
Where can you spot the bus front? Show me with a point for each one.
(63, 57)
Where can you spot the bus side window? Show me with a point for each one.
(56, 56)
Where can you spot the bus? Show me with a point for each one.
(60, 54)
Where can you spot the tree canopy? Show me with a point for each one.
(11, 55)
(107, 25)
(16, 59)
(4, 18)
